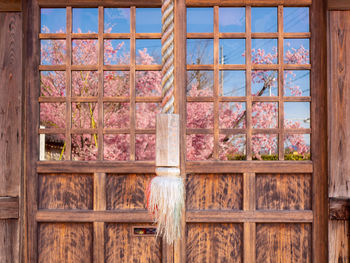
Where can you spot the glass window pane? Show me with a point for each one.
(264, 51)
(116, 51)
(297, 147)
(52, 147)
(200, 20)
(264, 147)
(117, 20)
(85, 20)
(84, 52)
(84, 115)
(232, 51)
(265, 115)
(116, 115)
(146, 115)
(145, 147)
(116, 147)
(200, 83)
(84, 147)
(199, 147)
(148, 83)
(296, 115)
(232, 19)
(264, 83)
(53, 52)
(264, 19)
(232, 115)
(148, 20)
(296, 19)
(296, 51)
(232, 147)
(84, 83)
(200, 115)
(232, 83)
(296, 83)
(52, 83)
(116, 84)
(53, 20)
(52, 115)
(148, 51)
(200, 51)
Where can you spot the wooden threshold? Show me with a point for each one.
(9, 207)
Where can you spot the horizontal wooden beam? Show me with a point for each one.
(96, 3)
(248, 2)
(249, 216)
(339, 209)
(338, 5)
(9, 207)
(10, 5)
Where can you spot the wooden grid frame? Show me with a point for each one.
(100, 68)
(216, 67)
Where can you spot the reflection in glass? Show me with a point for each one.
(232, 83)
(52, 147)
(232, 147)
(116, 51)
(84, 115)
(264, 147)
(148, 20)
(296, 19)
(232, 19)
(53, 20)
(200, 115)
(264, 83)
(297, 147)
(200, 51)
(116, 147)
(296, 83)
(116, 115)
(84, 147)
(85, 20)
(265, 115)
(84, 83)
(200, 83)
(116, 83)
(148, 51)
(145, 147)
(52, 115)
(52, 52)
(296, 115)
(148, 83)
(116, 20)
(296, 51)
(199, 147)
(264, 19)
(232, 115)
(52, 83)
(146, 115)
(232, 51)
(84, 52)
(264, 51)
(200, 20)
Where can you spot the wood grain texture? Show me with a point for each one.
(122, 246)
(10, 103)
(64, 191)
(338, 4)
(9, 245)
(10, 5)
(339, 209)
(9, 207)
(339, 107)
(60, 242)
(126, 191)
(218, 243)
(214, 191)
(283, 191)
(287, 243)
(338, 232)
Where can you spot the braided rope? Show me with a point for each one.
(168, 56)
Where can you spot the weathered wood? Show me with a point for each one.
(10, 103)
(339, 209)
(249, 245)
(96, 3)
(9, 208)
(9, 245)
(199, 3)
(99, 242)
(338, 5)
(10, 5)
(339, 105)
(338, 233)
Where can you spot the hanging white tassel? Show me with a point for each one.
(165, 196)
